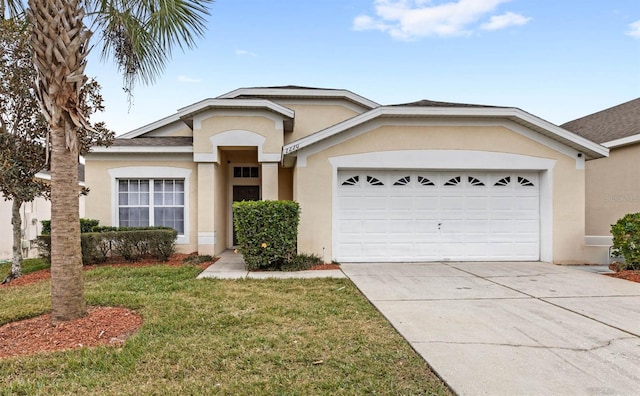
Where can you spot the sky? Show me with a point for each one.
(557, 59)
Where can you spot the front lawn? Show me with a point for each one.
(245, 337)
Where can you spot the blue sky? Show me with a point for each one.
(557, 59)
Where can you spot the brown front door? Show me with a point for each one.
(244, 193)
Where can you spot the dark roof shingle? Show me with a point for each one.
(170, 141)
(610, 124)
(433, 103)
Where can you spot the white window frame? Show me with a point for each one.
(152, 172)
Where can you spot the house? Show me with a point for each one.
(32, 213)
(612, 183)
(421, 181)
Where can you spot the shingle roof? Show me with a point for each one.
(433, 103)
(171, 141)
(610, 124)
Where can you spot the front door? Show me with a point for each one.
(244, 193)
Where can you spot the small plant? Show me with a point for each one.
(301, 262)
(626, 241)
(198, 259)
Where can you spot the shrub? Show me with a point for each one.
(86, 225)
(267, 232)
(132, 243)
(626, 240)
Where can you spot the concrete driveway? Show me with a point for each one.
(513, 328)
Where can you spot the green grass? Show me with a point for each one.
(245, 337)
(28, 265)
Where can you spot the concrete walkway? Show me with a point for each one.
(513, 328)
(231, 266)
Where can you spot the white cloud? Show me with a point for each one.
(245, 53)
(186, 79)
(411, 19)
(505, 20)
(634, 29)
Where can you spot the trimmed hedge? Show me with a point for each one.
(626, 240)
(131, 243)
(267, 232)
(86, 225)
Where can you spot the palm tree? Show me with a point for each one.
(140, 35)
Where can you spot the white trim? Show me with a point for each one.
(198, 118)
(598, 240)
(578, 143)
(163, 122)
(347, 104)
(625, 141)
(151, 157)
(191, 110)
(206, 238)
(457, 159)
(142, 149)
(334, 140)
(237, 138)
(152, 172)
(301, 93)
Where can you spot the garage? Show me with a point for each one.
(398, 215)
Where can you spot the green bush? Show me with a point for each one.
(267, 232)
(86, 225)
(132, 243)
(626, 240)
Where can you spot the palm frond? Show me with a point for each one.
(141, 35)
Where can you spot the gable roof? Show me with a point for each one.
(616, 126)
(295, 91)
(432, 109)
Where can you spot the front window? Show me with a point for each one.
(151, 202)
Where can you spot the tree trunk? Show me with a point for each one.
(16, 222)
(67, 288)
(60, 42)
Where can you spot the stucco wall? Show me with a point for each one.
(213, 124)
(313, 183)
(99, 203)
(312, 117)
(613, 189)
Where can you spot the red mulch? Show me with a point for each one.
(633, 276)
(101, 325)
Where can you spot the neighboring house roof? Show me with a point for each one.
(616, 126)
(46, 174)
(179, 144)
(427, 108)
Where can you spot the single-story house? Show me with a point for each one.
(422, 181)
(613, 182)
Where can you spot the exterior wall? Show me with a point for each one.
(214, 124)
(32, 213)
(285, 184)
(99, 203)
(312, 117)
(313, 182)
(613, 189)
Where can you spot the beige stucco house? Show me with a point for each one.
(613, 182)
(422, 181)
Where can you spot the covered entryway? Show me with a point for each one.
(385, 215)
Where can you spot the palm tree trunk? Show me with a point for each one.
(16, 222)
(60, 43)
(67, 288)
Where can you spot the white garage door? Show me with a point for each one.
(434, 216)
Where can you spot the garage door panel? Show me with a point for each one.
(412, 215)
